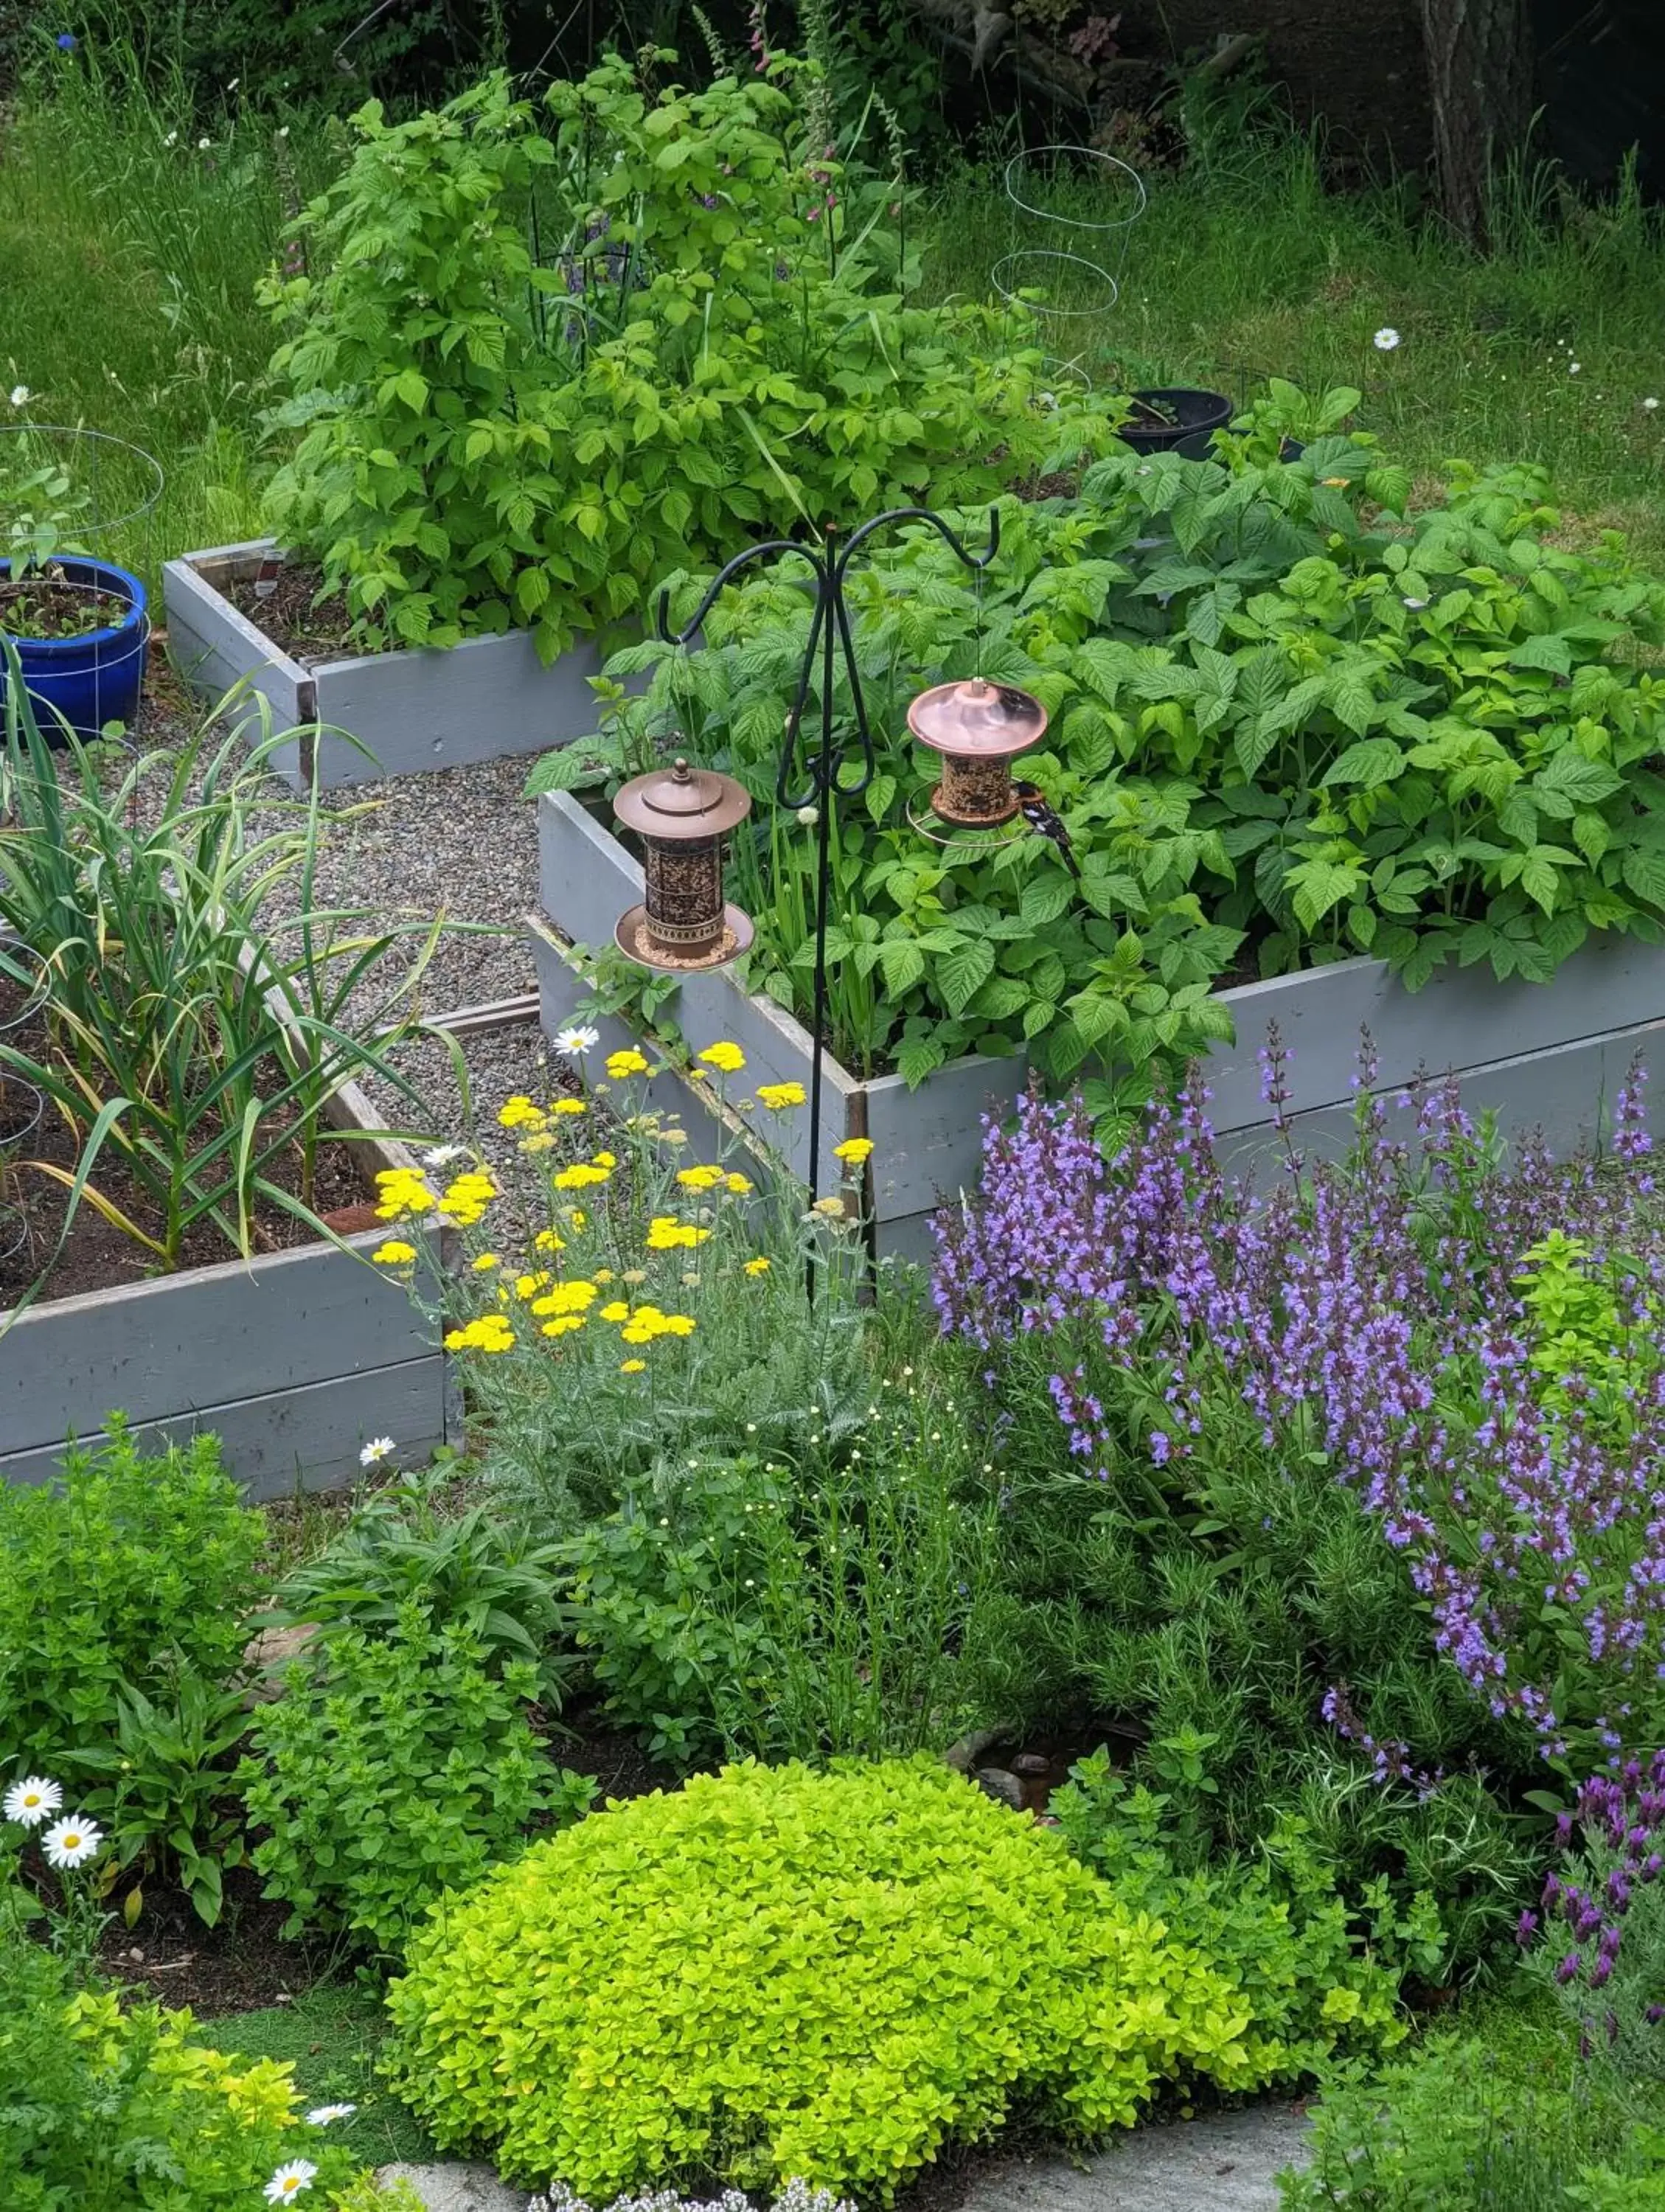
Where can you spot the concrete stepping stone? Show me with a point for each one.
(1226, 2162)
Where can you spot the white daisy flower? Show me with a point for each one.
(326, 2113)
(32, 1801)
(1573, 368)
(287, 2184)
(443, 1155)
(71, 1842)
(575, 1041)
(1385, 339)
(20, 395)
(378, 1449)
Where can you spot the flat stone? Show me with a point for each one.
(1228, 2162)
(271, 1651)
(451, 2188)
(1005, 1789)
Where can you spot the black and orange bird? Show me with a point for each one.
(1033, 807)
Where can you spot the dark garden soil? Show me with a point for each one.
(283, 608)
(95, 1255)
(44, 607)
(620, 1765)
(236, 1967)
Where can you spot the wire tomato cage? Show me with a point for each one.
(1072, 209)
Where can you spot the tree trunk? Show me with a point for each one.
(1479, 83)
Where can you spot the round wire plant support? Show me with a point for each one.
(117, 483)
(1067, 276)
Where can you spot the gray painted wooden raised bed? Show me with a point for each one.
(294, 1359)
(409, 711)
(1543, 1056)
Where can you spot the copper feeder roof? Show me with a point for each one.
(681, 803)
(974, 719)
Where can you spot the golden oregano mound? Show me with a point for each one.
(778, 1973)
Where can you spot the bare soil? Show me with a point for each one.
(48, 606)
(288, 609)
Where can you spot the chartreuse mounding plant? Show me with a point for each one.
(779, 1972)
(1291, 721)
(560, 347)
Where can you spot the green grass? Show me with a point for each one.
(1244, 266)
(330, 2036)
(128, 266)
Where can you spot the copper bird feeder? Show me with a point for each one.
(979, 728)
(682, 816)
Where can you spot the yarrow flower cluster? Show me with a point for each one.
(1379, 1309)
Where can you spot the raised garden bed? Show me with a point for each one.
(1547, 1056)
(485, 699)
(293, 1358)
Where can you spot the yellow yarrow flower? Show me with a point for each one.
(666, 1234)
(853, 1150)
(569, 1106)
(563, 1323)
(402, 1191)
(528, 1286)
(566, 1298)
(740, 1184)
(727, 1059)
(777, 1096)
(581, 1176)
(542, 1142)
(603, 1159)
(632, 1366)
(615, 1311)
(519, 1113)
(547, 1241)
(757, 1266)
(601, 1275)
(395, 1253)
(489, 1333)
(704, 1178)
(621, 1063)
(485, 1262)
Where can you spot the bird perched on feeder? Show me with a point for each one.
(1033, 807)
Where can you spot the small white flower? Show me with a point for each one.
(326, 2113)
(1386, 339)
(1650, 405)
(378, 1449)
(290, 2180)
(578, 1040)
(283, 131)
(202, 145)
(32, 1801)
(20, 395)
(443, 1155)
(71, 1842)
(1573, 368)
(808, 816)
(232, 84)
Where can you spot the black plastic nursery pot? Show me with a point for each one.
(1175, 420)
(95, 677)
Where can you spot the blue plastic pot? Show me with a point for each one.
(89, 680)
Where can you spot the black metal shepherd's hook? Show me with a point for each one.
(822, 771)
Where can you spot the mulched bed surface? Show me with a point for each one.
(286, 614)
